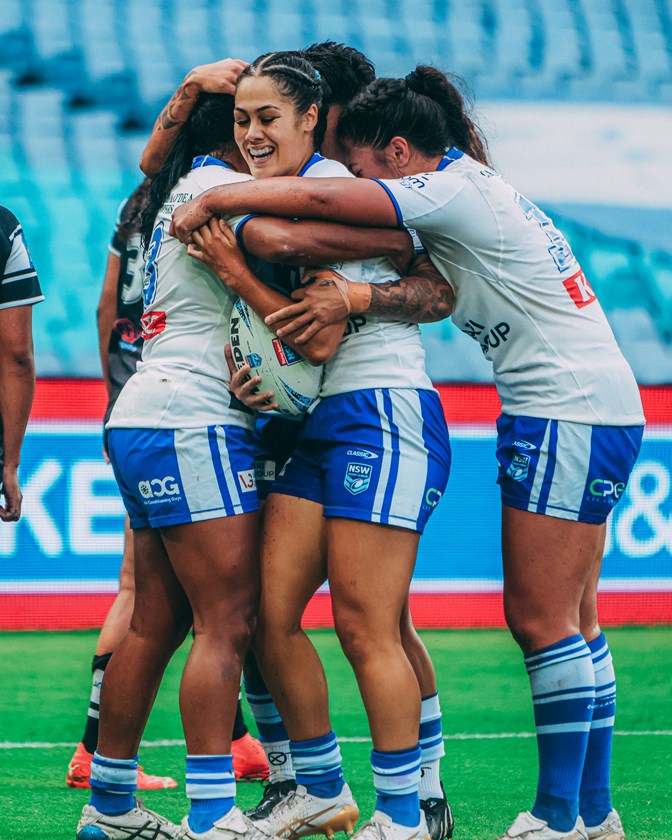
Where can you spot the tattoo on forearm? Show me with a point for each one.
(167, 118)
(419, 300)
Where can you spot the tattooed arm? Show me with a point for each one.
(219, 77)
(421, 297)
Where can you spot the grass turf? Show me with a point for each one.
(484, 691)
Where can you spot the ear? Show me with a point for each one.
(399, 150)
(309, 119)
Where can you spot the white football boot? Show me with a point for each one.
(381, 827)
(137, 824)
(611, 828)
(528, 827)
(301, 814)
(232, 826)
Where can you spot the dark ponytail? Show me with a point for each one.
(208, 129)
(426, 108)
(298, 81)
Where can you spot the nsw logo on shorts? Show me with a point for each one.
(519, 467)
(357, 478)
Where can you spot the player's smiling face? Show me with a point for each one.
(272, 137)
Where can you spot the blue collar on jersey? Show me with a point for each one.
(316, 158)
(208, 160)
(451, 156)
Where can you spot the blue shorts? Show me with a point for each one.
(173, 476)
(275, 438)
(379, 455)
(568, 470)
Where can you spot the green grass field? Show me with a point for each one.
(490, 766)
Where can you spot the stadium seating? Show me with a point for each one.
(81, 82)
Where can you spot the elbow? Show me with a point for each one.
(317, 355)
(148, 165)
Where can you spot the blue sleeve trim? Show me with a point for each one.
(397, 208)
(241, 224)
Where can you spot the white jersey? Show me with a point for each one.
(520, 293)
(374, 352)
(182, 381)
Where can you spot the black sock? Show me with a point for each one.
(239, 726)
(90, 737)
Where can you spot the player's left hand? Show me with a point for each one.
(322, 300)
(189, 217)
(11, 510)
(218, 77)
(215, 245)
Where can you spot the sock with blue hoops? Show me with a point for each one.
(113, 784)
(211, 787)
(432, 748)
(396, 776)
(563, 692)
(272, 732)
(317, 763)
(595, 793)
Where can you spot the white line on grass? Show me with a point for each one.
(466, 736)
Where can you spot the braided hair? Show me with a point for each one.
(346, 70)
(425, 108)
(297, 80)
(209, 129)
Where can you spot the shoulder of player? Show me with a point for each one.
(213, 176)
(327, 168)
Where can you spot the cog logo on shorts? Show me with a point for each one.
(357, 478)
(519, 467)
(145, 490)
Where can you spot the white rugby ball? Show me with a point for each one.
(294, 381)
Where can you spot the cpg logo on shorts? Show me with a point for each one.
(157, 490)
(606, 490)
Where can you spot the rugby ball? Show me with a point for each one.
(294, 381)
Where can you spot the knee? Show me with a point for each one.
(353, 634)
(166, 632)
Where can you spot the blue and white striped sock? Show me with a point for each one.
(272, 732)
(563, 692)
(396, 776)
(317, 763)
(432, 748)
(595, 793)
(113, 783)
(211, 787)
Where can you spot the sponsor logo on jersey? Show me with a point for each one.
(246, 480)
(524, 444)
(285, 354)
(153, 324)
(488, 339)
(357, 478)
(605, 488)
(414, 182)
(519, 467)
(159, 488)
(361, 453)
(579, 289)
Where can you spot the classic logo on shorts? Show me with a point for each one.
(357, 478)
(524, 444)
(157, 488)
(361, 453)
(519, 467)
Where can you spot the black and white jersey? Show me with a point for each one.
(125, 347)
(19, 285)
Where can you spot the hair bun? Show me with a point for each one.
(415, 81)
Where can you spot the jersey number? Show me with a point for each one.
(151, 269)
